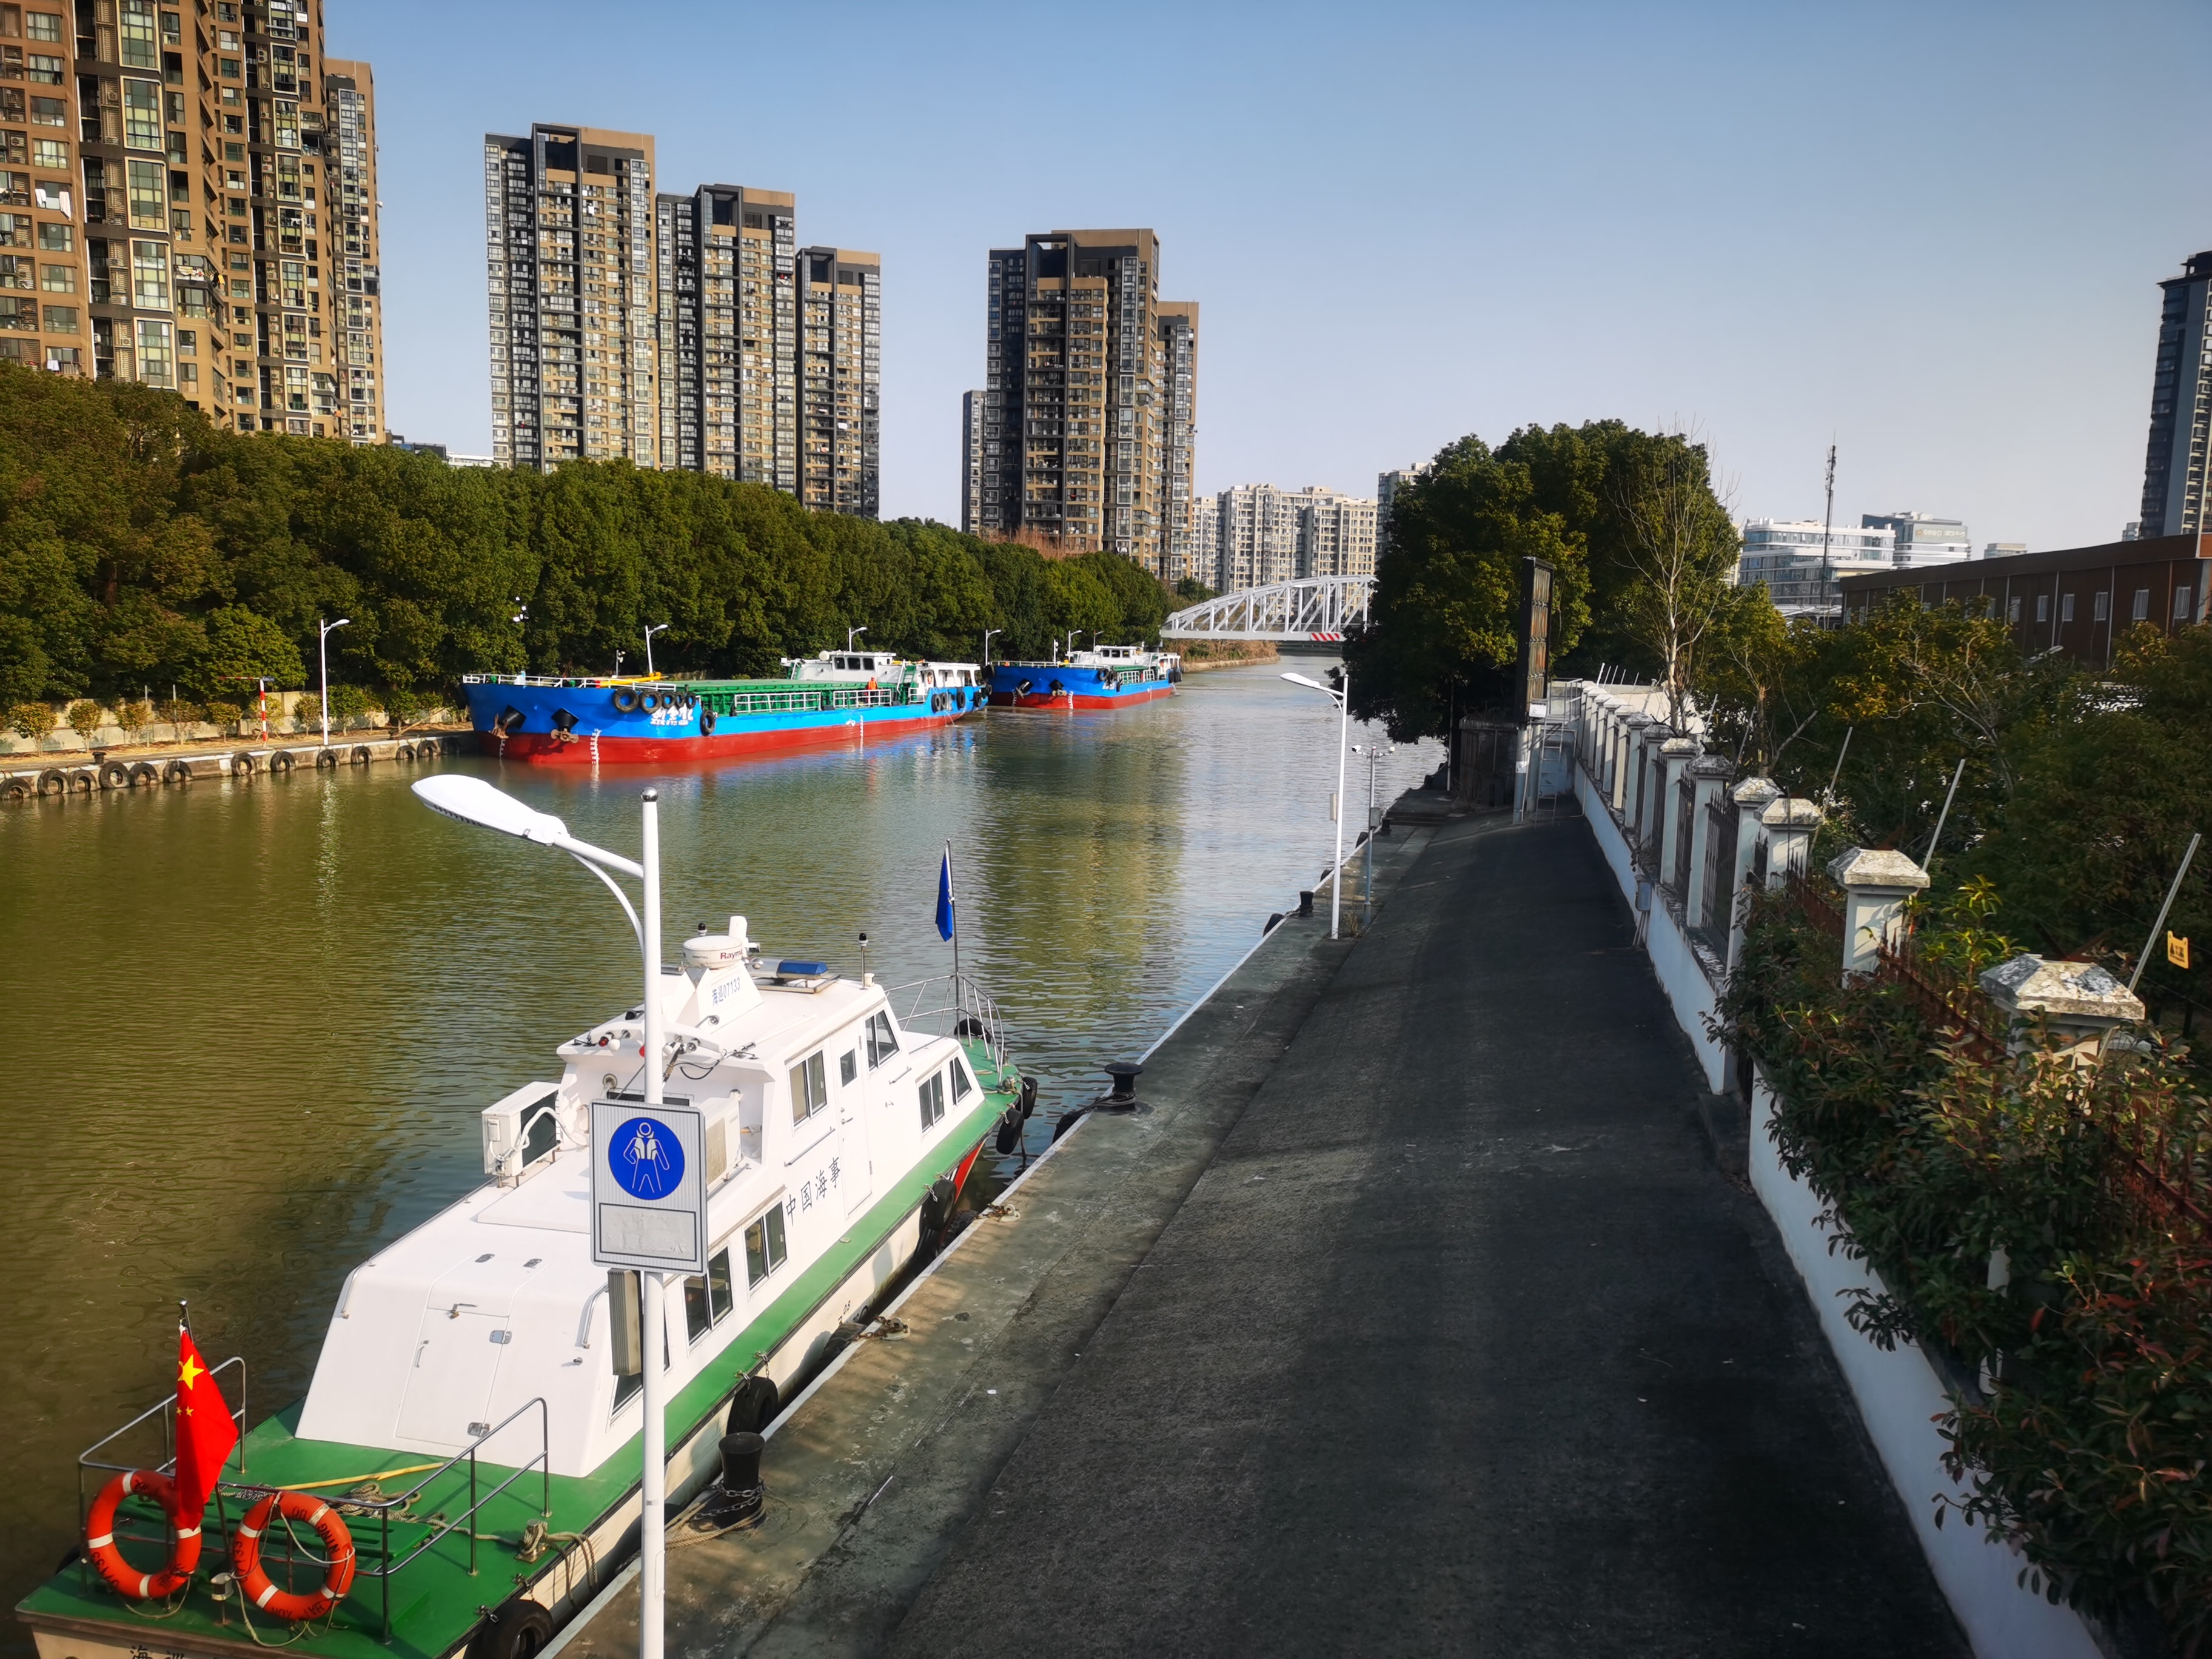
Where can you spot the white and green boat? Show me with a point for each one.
(466, 1421)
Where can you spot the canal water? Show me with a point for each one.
(260, 1019)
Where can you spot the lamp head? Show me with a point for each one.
(1313, 685)
(471, 799)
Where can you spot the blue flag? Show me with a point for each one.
(945, 906)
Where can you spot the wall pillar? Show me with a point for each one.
(1706, 777)
(1786, 826)
(1649, 774)
(1876, 883)
(2077, 1002)
(1675, 755)
(1752, 797)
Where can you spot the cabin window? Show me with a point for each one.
(962, 1088)
(932, 1100)
(707, 1300)
(764, 1247)
(882, 1044)
(848, 1066)
(810, 1088)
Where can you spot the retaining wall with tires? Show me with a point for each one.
(244, 760)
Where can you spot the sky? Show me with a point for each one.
(1930, 233)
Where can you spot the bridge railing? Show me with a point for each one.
(1310, 608)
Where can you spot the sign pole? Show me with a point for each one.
(652, 1519)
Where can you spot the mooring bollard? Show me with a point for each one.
(1305, 900)
(739, 1500)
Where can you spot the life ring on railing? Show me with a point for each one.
(100, 1550)
(625, 701)
(260, 1589)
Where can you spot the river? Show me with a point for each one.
(262, 1017)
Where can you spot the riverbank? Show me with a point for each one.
(1200, 655)
(129, 766)
(1234, 1374)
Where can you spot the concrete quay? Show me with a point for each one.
(138, 768)
(1413, 1316)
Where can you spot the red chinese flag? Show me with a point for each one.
(205, 1429)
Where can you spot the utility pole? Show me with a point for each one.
(1827, 525)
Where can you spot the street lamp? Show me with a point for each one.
(471, 799)
(1375, 752)
(619, 655)
(324, 630)
(986, 643)
(657, 628)
(852, 634)
(1342, 693)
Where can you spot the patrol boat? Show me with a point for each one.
(464, 1473)
(835, 696)
(1108, 676)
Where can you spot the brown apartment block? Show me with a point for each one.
(169, 208)
(2079, 601)
(570, 255)
(1089, 400)
(841, 331)
(350, 194)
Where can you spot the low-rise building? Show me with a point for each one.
(1923, 537)
(1800, 561)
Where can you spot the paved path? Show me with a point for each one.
(1461, 1345)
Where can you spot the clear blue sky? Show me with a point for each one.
(1930, 232)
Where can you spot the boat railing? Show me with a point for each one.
(364, 1497)
(952, 1005)
(556, 681)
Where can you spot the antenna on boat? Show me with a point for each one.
(866, 978)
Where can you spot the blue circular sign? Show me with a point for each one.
(646, 1159)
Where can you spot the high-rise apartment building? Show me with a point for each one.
(971, 462)
(1799, 562)
(570, 251)
(1263, 535)
(171, 204)
(840, 332)
(2180, 406)
(1206, 540)
(349, 208)
(1387, 486)
(1091, 392)
(729, 334)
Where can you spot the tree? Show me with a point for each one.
(241, 648)
(1679, 552)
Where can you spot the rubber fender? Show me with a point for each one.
(361, 755)
(647, 701)
(1010, 1131)
(625, 701)
(705, 722)
(144, 772)
(243, 765)
(1029, 1098)
(114, 774)
(18, 789)
(519, 1630)
(176, 772)
(753, 1405)
(281, 762)
(326, 760)
(1067, 1121)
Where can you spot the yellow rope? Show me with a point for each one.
(356, 1479)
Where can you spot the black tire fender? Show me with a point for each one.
(143, 772)
(625, 701)
(280, 762)
(361, 754)
(177, 771)
(705, 722)
(114, 774)
(326, 760)
(244, 765)
(520, 1629)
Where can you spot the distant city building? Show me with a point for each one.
(1921, 538)
(1263, 535)
(1206, 540)
(841, 322)
(2002, 549)
(971, 461)
(349, 208)
(2180, 407)
(568, 213)
(728, 333)
(2131, 531)
(1387, 486)
(678, 332)
(1786, 557)
(1091, 394)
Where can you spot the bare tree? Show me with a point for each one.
(1681, 550)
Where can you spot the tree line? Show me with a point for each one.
(2081, 786)
(141, 546)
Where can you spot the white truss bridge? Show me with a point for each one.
(1312, 608)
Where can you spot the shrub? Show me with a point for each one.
(226, 715)
(34, 720)
(308, 711)
(352, 702)
(134, 717)
(178, 711)
(86, 717)
(410, 705)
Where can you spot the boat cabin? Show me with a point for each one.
(817, 1105)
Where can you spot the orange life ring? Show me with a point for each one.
(100, 1538)
(260, 1590)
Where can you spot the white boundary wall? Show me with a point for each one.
(1898, 1394)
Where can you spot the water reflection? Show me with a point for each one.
(260, 1019)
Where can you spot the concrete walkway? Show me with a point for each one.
(1460, 1345)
